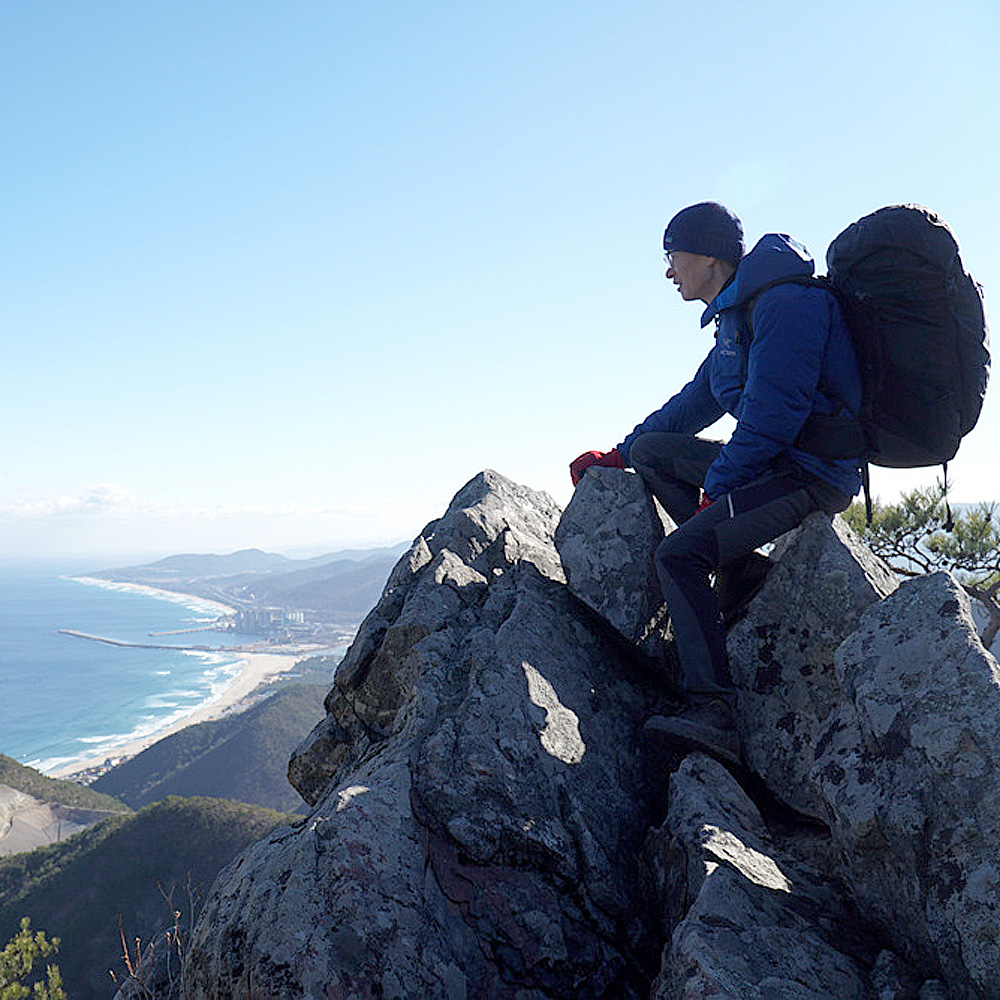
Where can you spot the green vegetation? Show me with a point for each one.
(17, 963)
(316, 670)
(21, 874)
(126, 876)
(242, 757)
(67, 793)
(912, 536)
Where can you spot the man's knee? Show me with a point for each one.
(642, 456)
(663, 448)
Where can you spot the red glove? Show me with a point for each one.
(705, 501)
(612, 459)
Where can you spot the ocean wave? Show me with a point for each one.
(160, 702)
(110, 745)
(47, 765)
(176, 697)
(95, 740)
(209, 655)
(162, 712)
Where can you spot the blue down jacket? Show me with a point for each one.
(799, 361)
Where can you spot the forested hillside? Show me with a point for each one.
(127, 874)
(67, 793)
(242, 757)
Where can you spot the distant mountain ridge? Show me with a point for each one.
(251, 562)
(212, 564)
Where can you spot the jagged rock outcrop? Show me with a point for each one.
(909, 765)
(606, 539)
(476, 822)
(782, 651)
(484, 823)
(745, 917)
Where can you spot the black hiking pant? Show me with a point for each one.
(673, 467)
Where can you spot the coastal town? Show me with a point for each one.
(276, 619)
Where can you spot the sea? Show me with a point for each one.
(65, 699)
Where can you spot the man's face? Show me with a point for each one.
(694, 274)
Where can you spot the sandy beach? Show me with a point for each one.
(175, 596)
(258, 662)
(257, 668)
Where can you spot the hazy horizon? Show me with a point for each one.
(274, 273)
(104, 560)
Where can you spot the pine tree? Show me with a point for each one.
(17, 962)
(912, 537)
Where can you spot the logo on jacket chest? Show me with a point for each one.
(727, 341)
(728, 366)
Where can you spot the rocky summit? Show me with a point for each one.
(484, 823)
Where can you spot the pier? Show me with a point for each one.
(185, 631)
(131, 645)
(150, 645)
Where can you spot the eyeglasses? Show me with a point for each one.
(668, 259)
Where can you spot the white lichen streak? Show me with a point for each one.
(757, 867)
(561, 735)
(345, 795)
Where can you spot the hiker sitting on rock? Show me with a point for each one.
(782, 353)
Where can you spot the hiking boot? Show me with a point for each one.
(737, 583)
(708, 727)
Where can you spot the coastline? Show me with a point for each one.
(256, 669)
(258, 664)
(175, 596)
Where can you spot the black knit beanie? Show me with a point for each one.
(707, 228)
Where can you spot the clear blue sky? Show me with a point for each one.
(287, 274)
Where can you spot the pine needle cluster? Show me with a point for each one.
(914, 537)
(17, 964)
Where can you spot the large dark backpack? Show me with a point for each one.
(919, 326)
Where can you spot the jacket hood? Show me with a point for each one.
(774, 257)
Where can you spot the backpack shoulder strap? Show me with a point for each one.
(815, 281)
(835, 436)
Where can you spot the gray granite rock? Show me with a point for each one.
(476, 792)
(748, 920)
(782, 651)
(493, 524)
(480, 804)
(892, 979)
(606, 540)
(909, 767)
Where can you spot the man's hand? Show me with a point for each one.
(579, 466)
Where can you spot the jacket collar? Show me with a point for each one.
(775, 256)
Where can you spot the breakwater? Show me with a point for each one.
(131, 645)
(201, 648)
